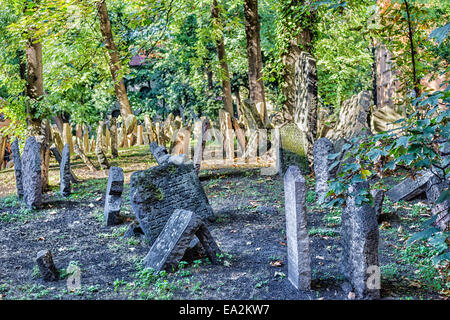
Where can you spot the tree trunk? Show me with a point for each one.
(226, 85)
(254, 56)
(35, 91)
(114, 60)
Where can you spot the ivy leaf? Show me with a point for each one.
(425, 234)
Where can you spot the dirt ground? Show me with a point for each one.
(249, 229)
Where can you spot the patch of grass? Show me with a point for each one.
(310, 196)
(323, 232)
(20, 215)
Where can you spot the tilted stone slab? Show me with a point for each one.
(409, 188)
(31, 174)
(359, 239)
(299, 260)
(113, 197)
(65, 174)
(17, 167)
(157, 192)
(47, 268)
(175, 239)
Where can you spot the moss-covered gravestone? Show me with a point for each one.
(157, 192)
(293, 148)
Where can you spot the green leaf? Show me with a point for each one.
(425, 234)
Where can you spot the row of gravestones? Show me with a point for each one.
(359, 229)
(27, 168)
(170, 206)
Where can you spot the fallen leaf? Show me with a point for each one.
(351, 295)
(40, 238)
(279, 274)
(282, 243)
(277, 263)
(320, 257)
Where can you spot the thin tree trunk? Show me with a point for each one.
(254, 56)
(114, 60)
(413, 50)
(226, 86)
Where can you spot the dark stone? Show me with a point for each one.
(160, 190)
(359, 236)
(134, 230)
(113, 198)
(46, 266)
(58, 158)
(17, 167)
(175, 239)
(64, 172)
(159, 152)
(435, 185)
(378, 198)
(31, 174)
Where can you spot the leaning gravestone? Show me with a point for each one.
(157, 192)
(65, 175)
(359, 236)
(434, 188)
(159, 152)
(31, 174)
(113, 196)
(409, 188)
(175, 239)
(299, 260)
(17, 167)
(322, 149)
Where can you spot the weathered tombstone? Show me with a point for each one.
(17, 167)
(227, 131)
(322, 149)
(46, 266)
(113, 127)
(67, 136)
(31, 174)
(58, 158)
(175, 238)
(292, 148)
(359, 236)
(65, 175)
(204, 125)
(140, 135)
(299, 260)
(102, 160)
(113, 196)
(409, 188)
(85, 141)
(305, 104)
(156, 192)
(159, 153)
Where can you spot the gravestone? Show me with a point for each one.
(101, 157)
(359, 236)
(31, 174)
(46, 266)
(159, 153)
(322, 149)
(65, 175)
(292, 151)
(156, 192)
(305, 104)
(378, 198)
(113, 198)
(175, 239)
(58, 158)
(435, 185)
(409, 188)
(114, 146)
(299, 260)
(17, 167)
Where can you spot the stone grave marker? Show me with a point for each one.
(299, 260)
(175, 239)
(48, 270)
(31, 174)
(17, 167)
(65, 175)
(113, 197)
(409, 188)
(359, 236)
(322, 149)
(159, 152)
(157, 192)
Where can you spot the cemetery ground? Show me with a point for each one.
(249, 229)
